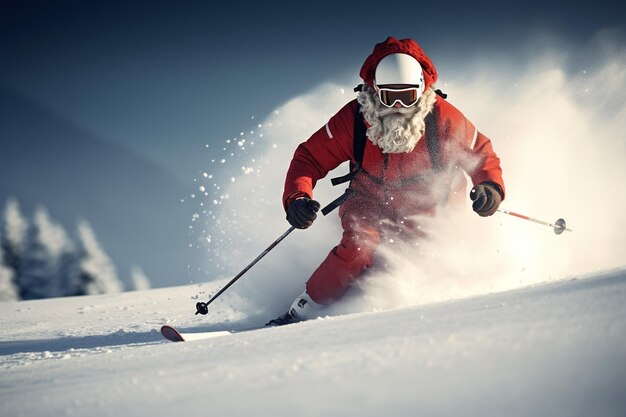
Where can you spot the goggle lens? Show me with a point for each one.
(407, 96)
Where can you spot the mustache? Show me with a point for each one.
(384, 111)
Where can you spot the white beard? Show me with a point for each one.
(395, 130)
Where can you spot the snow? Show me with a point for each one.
(554, 349)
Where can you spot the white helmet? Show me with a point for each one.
(399, 69)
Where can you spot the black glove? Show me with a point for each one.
(486, 198)
(302, 212)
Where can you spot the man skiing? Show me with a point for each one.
(411, 163)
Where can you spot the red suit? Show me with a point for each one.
(394, 187)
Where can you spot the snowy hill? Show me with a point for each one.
(548, 350)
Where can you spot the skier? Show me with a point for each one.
(417, 147)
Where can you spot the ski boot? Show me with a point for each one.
(303, 308)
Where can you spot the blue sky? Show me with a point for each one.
(153, 82)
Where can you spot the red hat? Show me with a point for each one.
(393, 46)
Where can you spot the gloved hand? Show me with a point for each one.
(486, 198)
(302, 212)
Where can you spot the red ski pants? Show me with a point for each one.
(364, 224)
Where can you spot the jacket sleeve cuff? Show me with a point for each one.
(292, 197)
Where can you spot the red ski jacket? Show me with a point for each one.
(398, 179)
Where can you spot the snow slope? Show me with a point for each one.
(549, 350)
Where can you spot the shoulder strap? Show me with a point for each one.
(359, 138)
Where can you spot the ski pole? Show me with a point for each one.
(558, 226)
(202, 308)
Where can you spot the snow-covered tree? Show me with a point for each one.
(139, 279)
(41, 261)
(94, 273)
(14, 236)
(8, 289)
(44, 264)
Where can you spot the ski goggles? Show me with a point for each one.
(407, 97)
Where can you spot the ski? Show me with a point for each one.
(172, 334)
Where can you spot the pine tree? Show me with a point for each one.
(8, 289)
(14, 237)
(43, 265)
(94, 273)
